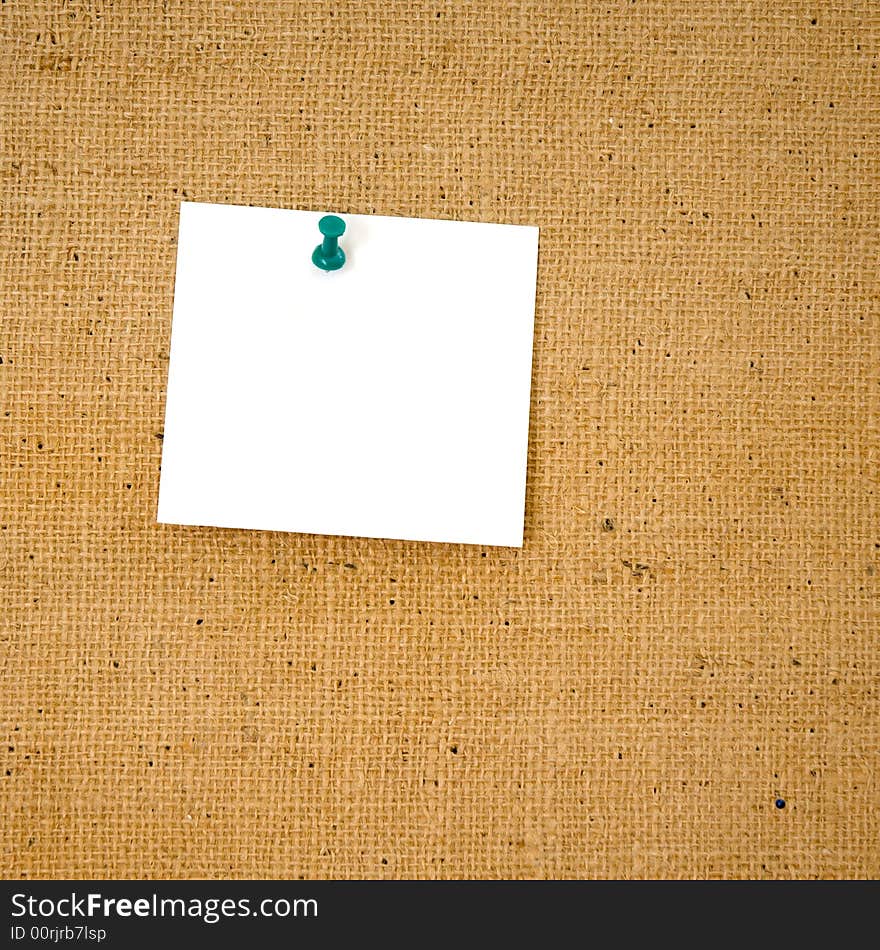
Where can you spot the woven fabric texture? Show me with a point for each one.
(690, 632)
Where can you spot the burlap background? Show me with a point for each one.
(690, 630)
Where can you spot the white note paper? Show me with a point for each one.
(387, 399)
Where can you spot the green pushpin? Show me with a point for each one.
(328, 255)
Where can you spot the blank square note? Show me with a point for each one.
(387, 399)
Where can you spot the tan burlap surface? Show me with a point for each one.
(690, 631)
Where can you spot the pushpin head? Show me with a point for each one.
(328, 255)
